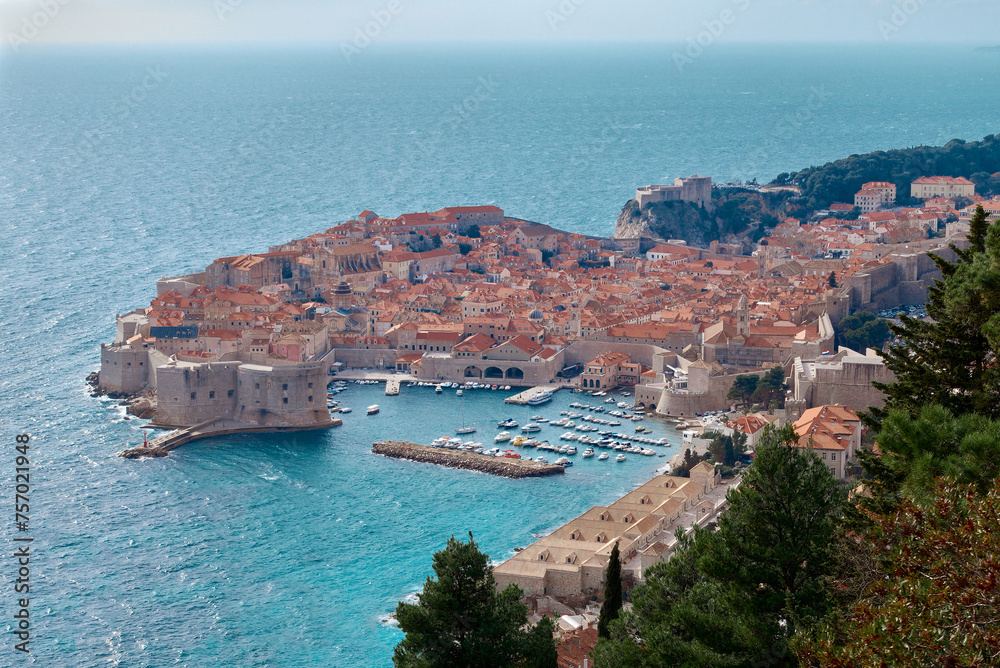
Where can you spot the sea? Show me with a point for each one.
(122, 165)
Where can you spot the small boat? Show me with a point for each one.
(589, 452)
(345, 409)
(563, 461)
(438, 389)
(466, 430)
(543, 460)
(620, 458)
(571, 450)
(531, 427)
(603, 456)
(519, 440)
(502, 437)
(373, 409)
(458, 392)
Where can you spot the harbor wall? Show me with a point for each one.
(282, 396)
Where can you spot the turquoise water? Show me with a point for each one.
(285, 551)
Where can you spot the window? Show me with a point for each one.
(211, 394)
(230, 393)
(284, 386)
(310, 386)
(256, 386)
(310, 398)
(194, 395)
(833, 456)
(285, 400)
(824, 455)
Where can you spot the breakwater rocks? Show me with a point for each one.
(470, 461)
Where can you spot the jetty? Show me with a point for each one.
(392, 387)
(163, 445)
(521, 398)
(463, 459)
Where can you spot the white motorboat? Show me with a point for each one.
(603, 456)
(373, 409)
(589, 452)
(345, 409)
(531, 427)
(438, 389)
(620, 458)
(502, 437)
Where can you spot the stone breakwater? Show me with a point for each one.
(470, 461)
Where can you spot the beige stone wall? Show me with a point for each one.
(123, 370)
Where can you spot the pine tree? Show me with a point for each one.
(461, 621)
(612, 606)
(540, 651)
(832, 279)
(951, 360)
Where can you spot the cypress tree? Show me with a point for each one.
(612, 606)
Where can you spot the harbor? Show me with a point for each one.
(469, 461)
(163, 445)
(523, 398)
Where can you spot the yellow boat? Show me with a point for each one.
(519, 440)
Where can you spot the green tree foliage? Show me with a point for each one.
(612, 606)
(742, 389)
(727, 449)
(831, 280)
(464, 248)
(863, 330)
(734, 597)
(917, 450)
(460, 620)
(838, 181)
(474, 232)
(760, 389)
(540, 651)
(690, 461)
(928, 589)
(436, 241)
(952, 359)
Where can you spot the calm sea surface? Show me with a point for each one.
(118, 167)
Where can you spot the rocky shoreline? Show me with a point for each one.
(469, 461)
(142, 405)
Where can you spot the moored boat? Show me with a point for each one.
(373, 409)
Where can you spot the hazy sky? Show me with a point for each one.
(341, 21)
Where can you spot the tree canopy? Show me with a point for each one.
(838, 181)
(459, 620)
(928, 588)
(734, 597)
(951, 360)
(863, 330)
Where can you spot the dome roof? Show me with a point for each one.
(535, 315)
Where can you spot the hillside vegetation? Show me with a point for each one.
(838, 181)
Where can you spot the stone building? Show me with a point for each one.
(694, 189)
(573, 559)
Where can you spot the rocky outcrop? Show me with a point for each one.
(470, 461)
(667, 220)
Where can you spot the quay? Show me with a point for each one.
(469, 461)
(392, 387)
(522, 397)
(163, 445)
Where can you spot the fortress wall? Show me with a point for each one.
(187, 395)
(435, 368)
(123, 370)
(355, 358)
(182, 284)
(282, 395)
(581, 352)
(851, 386)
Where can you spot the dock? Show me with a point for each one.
(392, 387)
(522, 397)
(163, 445)
(463, 459)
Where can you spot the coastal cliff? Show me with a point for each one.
(667, 220)
(735, 213)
